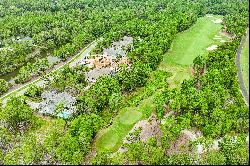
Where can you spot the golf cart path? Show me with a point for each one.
(239, 71)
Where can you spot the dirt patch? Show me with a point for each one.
(148, 128)
(88, 157)
(181, 145)
(226, 34)
(151, 129)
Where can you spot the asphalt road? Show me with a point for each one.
(239, 71)
(39, 81)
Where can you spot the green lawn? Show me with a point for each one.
(179, 73)
(193, 42)
(130, 116)
(112, 137)
(184, 49)
(140, 105)
(188, 45)
(245, 63)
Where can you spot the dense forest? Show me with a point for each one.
(211, 101)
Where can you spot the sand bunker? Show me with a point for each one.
(211, 47)
(217, 21)
(207, 15)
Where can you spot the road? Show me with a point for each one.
(40, 82)
(239, 71)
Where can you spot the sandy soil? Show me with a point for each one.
(209, 16)
(217, 38)
(149, 128)
(217, 21)
(213, 47)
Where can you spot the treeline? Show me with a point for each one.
(19, 145)
(210, 101)
(231, 150)
(202, 100)
(104, 97)
(63, 32)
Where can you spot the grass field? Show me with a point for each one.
(245, 63)
(193, 42)
(179, 73)
(111, 138)
(188, 45)
(184, 49)
(140, 105)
